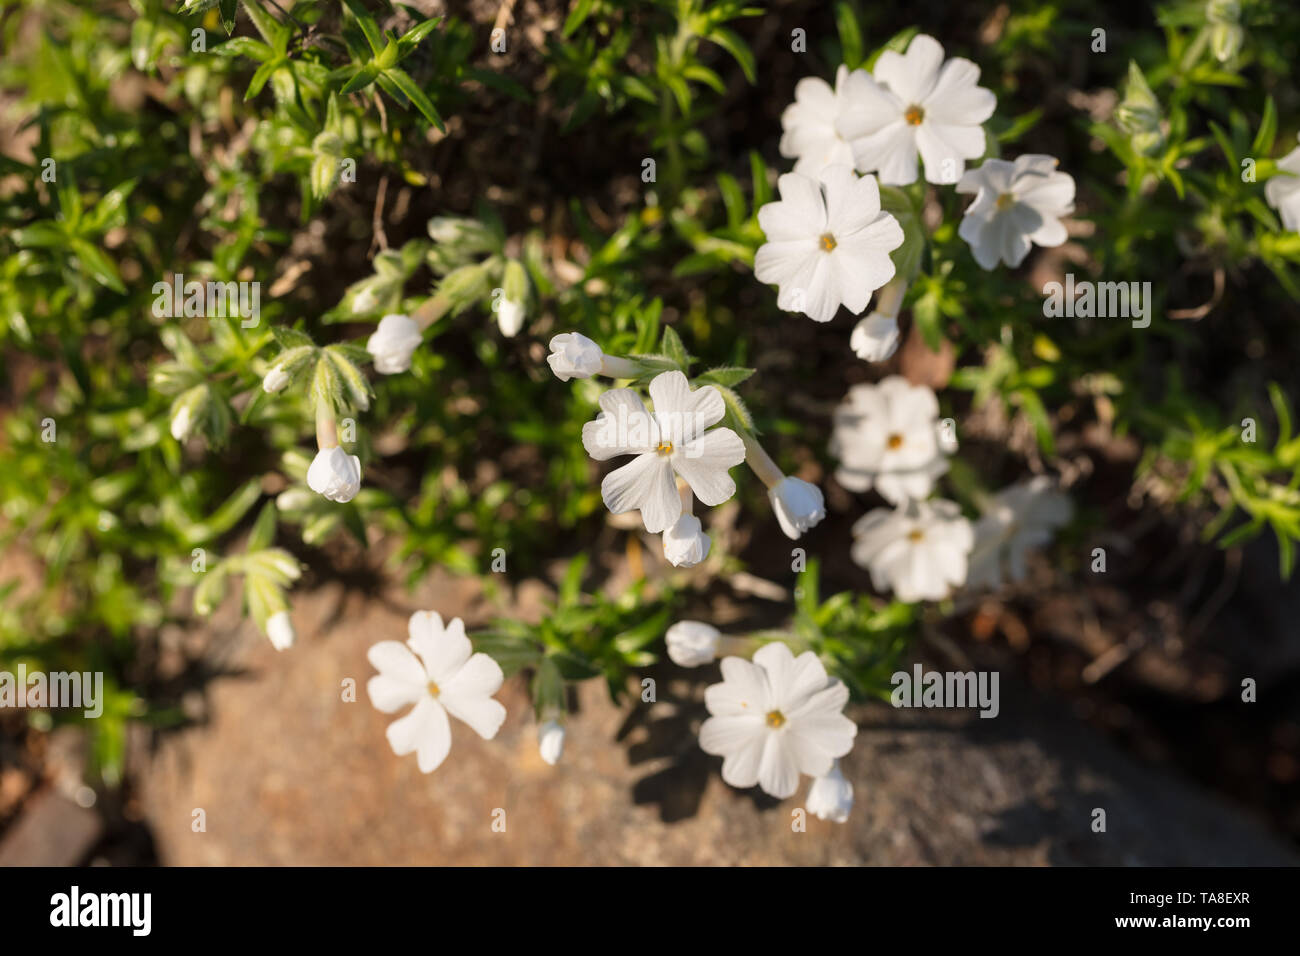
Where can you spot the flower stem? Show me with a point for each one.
(614, 367)
(431, 310)
(761, 462)
(889, 301)
(327, 432)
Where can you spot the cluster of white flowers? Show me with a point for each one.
(888, 437)
(679, 454)
(828, 239)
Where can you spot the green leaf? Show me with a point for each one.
(672, 347)
(728, 376)
(361, 79)
(738, 48)
(1263, 144)
(846, 22)
(228, 10)
(411, 39)
(579, 12)
(416, 96)
(367, 24)
(97, 265)
(263, 532)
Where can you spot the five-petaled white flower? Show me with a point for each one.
(916, 101)
(831, 796)
(335, 474)
(828, 242)
(810, 135)
(886, 436)
(775, 718)
(798, 504)
(437, 672)
(672, 439)
(918, 551)
(1283, 190)
(393, 343)
(1021, 518)
(1016, 205)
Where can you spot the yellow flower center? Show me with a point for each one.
(434, 690)
(1005, 202)
(916, 534)
(828, 242)
(894, 442)
(665, 448)
(775, 719)
(914, 115)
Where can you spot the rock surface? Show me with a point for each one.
(287, 772)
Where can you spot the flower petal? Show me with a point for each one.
(704, 463)
(424, 730)
(645, 484)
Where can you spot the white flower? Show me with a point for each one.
(335, 474)
(573, 355)
(275, 380)
(916, 101)
(831, 796)
(919, 552)
(798, 504)
(692, 643)
(672, 439)
(1022, 518)
(775, 718)
(550, 741)
(1283, 191)
(280, 630)
(810, 135)
(828, 243)
(885, 436)
(1016, 205)
(510, 317)
(182, 423)
(393, 343)
(875, 337)
(685, 544)
(436, 671)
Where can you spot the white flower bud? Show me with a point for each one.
(335, 474)
(364, 301)
(510, 317)
(798, 504)
(573, 355)
(830, 797)
(275, 380)
(550, 741)
(393, 343)
(875, 338)
(692, 643)
(280, 630)
(685, 544)
(182, 423)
